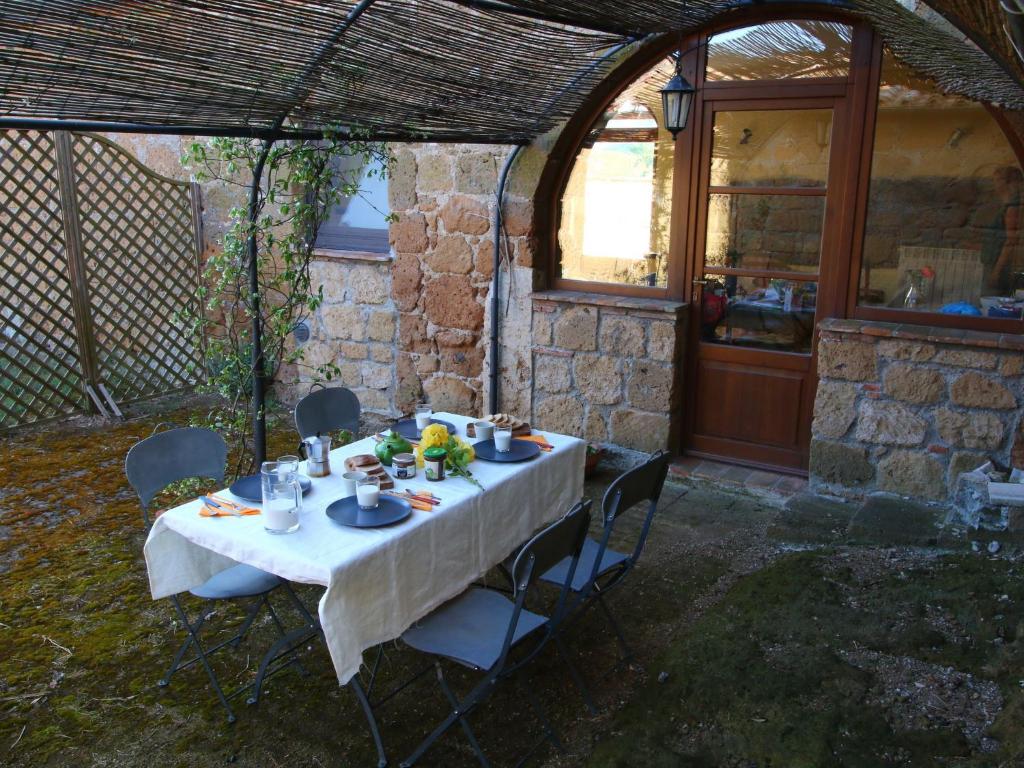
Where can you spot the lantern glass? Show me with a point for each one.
(676, 99)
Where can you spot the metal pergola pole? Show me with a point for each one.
(259, 417)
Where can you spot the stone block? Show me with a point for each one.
(840, 464)
(343, 321)
(561, 413)
(483, 258)
(382, 353)
(465, 360)
(374, 400)
(621, 335)
(434, 173)
(408, 390)
(350, 374)
(639, 430)
(476, 173)
(333, 278)
(517, 217)
(911, 351)
(406, 276)
(850, 360)
(662, 343)
(1011, 365)
(446, 393)
(967, 358)
(834, 408)
(551, 374)
(409, 233)
(542, 328)
(598, 380)
(650, 386)
(352, 350)
(376, 376)
(426, 365)
(412, 334)
(913, 384)
(960, 462)
(889, 423)
(451, 254)
(450, 301)
(596, 429)
(974, 390)
(576, 329)
(977, 429)
(316, 353)
(381, 326)
(369, 285)
(402, 181)
(914, 474)
(466, 215)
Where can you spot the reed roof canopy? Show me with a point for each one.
(495, 71)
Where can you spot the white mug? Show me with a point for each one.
(484, 430)
(350, 479)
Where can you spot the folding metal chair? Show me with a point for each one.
(327, 410)
(178, 454)
(601, 568)
(481, 627)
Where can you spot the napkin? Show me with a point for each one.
(539, 440)
(208, 511)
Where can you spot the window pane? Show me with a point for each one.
(359, 223)
(777, 232)
(758, 312)
(617, 204)
(771, 148)
(944, 206)
(780, 50)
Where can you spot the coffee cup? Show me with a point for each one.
(351, 479)
(484, 430)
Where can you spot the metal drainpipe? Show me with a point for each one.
(495, 280)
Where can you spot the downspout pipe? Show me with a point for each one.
(496, 279)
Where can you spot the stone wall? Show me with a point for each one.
(355, 328)
(905, 409)
(606, 368)
(441, 277)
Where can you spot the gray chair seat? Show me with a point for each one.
(609, 561)
(237, 581)
(471, 628)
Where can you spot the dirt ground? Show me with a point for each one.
(763, 636)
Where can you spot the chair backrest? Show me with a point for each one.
(177, 454)
(642, 483)
(327, 410)
(563, 538)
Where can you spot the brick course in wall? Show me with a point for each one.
(905, 409)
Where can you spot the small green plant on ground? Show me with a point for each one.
(302, 181)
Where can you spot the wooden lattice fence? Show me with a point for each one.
(100, 267)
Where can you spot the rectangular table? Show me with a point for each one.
(379, 580)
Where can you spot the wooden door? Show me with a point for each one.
(765, 214)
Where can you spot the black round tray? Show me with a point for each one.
(520, 450)
(407, 428)
(250, 487)
(390, 510)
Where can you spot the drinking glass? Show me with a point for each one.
(503, 440)
(368, 492)
(423, 414)
(282, 496)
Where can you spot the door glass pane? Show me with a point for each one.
(771, 148)
(617, 204)
(945, 208)
(758, 312)
(780, 50)
(777, 232)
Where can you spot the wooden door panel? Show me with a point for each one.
(750, 404)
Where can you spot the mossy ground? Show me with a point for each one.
(771, 656)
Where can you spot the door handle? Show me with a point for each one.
(698, 281)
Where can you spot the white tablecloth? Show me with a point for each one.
(381, 580)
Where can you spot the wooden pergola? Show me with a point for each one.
(467, 71)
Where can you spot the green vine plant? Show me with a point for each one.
(301, 182)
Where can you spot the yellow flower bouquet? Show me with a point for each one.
(460, 453)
